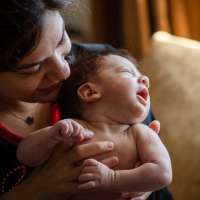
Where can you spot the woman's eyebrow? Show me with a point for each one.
(27, 66)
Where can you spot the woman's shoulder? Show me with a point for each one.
(78, 48)
(9, 136)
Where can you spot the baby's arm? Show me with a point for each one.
(154, 173)
(38, 146)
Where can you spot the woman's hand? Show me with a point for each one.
(57, 178)
(155, 126)
(137, 196)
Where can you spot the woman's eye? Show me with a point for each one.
(63, 39)
(32, 73)
(29, 72)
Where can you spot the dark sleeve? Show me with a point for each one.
(77, 48)
(162, 194)
(150, 117)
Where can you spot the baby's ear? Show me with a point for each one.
(88, 92)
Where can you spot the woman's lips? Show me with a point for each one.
(51, 88)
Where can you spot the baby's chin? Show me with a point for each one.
(139, 118)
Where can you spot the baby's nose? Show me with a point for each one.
(144, 80)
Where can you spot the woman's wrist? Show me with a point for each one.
(20, 192)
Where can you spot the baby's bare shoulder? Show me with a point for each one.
(141, 129)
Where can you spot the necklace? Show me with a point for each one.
(29, 120)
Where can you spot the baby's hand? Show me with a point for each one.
(95, 175)
(66, 130)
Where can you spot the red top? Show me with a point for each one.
(15, 139)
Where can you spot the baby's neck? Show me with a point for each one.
(105, 124)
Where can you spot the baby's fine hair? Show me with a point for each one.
(82, 68)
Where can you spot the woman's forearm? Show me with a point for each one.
(23, 191)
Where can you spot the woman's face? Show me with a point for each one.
(44, 70)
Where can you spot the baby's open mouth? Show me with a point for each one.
(142, 96)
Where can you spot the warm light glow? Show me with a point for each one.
(162, 36)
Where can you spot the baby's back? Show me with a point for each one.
(124, 148)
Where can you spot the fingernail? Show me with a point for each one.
(91, 133)
(157, 121)
(109, 145)
(113, 161)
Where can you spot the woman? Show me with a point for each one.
(34, 45)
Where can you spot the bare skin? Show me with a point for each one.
(107, 127)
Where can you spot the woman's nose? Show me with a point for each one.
(59, 69)
(144, 80)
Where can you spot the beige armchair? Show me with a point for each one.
(173, 67)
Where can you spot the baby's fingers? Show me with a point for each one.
(71, 129)
(77, 129)
(90, 162)
(88, 185)
(86, 177)
(81, 135)
(88, 169)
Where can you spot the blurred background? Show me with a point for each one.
(130, 23)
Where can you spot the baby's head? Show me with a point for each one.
(105, 83)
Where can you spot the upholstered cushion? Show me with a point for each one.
(173, 67)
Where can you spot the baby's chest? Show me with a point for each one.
(124, 148)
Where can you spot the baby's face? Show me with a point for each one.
(124, 89)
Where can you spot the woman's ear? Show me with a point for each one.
(88, 92)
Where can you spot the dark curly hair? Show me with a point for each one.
(82, 68)
(21, 25)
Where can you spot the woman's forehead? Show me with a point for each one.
(51, 35)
